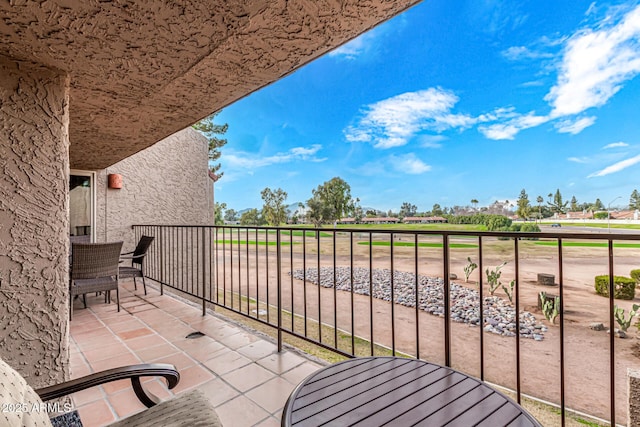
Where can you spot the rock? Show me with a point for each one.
(453, 276)
(499, 315)
(596, 326)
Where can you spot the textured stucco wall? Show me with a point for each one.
(167, 183)
(34, 165)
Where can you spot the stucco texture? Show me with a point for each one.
(142, 70)
(165, 184)
(34, 167)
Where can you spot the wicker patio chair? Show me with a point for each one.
(137, 262)
(94, 268)
(190, 409)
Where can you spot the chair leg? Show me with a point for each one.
(84, 300)
(118, 299)
(135, 285)
(144, 285)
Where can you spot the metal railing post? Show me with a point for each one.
(447, 302)
(279, 287)
(204, 272)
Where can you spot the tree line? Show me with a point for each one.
(332, 200)
(557, 205)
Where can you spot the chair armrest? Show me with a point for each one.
(132, 256)
(127, 253)
(169, 372)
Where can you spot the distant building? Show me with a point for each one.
(380, 220)
(347, 221)
(576, 215)
(424, 219)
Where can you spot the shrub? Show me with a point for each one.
(625, 287)
(515, 227)
(635, 275)
(530, 228)
(601, 215)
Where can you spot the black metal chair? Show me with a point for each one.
(94, 268)
(137, 262)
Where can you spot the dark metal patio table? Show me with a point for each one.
(376, 391)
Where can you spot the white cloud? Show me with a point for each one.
(243, 160)
(510, 129)
(518, 53)
(354, 48)
(409, 164)
(431, 141)
(617, 167)
(595, 64)
(578, 159)
(615, 145)
(394, 121)
(574, 126)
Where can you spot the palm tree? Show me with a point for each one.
(474, 202)
(539, 199)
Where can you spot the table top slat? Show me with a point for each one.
(464, 404)
(502, 417)
(344, 377)
(392, 391)
(371, 389)
(430, 404)
(389, 395)
(487, 406)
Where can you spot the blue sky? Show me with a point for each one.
(453, 101)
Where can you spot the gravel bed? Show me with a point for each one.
(499, 314)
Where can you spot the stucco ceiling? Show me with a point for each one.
(142, 70)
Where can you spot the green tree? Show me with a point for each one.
(634, 200)
(574, 204)
(524, 208)
(436, 210)
(211, 131)
(558, 206)
(219, 217)
(331, 201)
(274, 211)
(358, 214)
(539, 200)
(598, 205)
(407, 209)
(251, 217)
(231, 215)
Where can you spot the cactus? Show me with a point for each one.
(469, 269)
(509, 290)
(550, 309)
(623, 322)
(493, 277)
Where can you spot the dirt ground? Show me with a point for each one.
(586, 351)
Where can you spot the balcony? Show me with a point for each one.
(248, 270)
(241, 372)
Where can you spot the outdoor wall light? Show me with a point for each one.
(115, 181)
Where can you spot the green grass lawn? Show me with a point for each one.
(422, 244)
(589, 244)
(600, 225)
(253, 242)
(446, 227)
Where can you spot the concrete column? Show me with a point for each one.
(633, 395)
(34, 193)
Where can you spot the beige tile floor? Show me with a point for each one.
(243, 375)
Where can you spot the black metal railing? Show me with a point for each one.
(302, 281)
